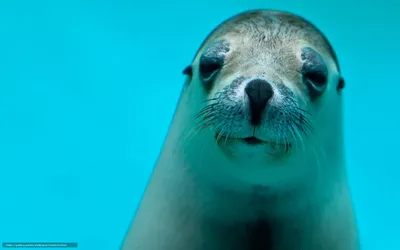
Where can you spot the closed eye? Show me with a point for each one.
(209, 67)
(314, 71)
(318, 78)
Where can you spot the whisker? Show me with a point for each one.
(293, 135)
(212, 99)
(304, 111)
(301, 124)
(219, 136)
(227, 137)
(302, 120)
(206, 109)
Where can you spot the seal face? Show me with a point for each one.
(262, 74)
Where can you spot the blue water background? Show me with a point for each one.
(88, 89)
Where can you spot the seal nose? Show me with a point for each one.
(259, 92)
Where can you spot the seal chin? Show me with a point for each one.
(252, 146)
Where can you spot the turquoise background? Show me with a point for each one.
(88, 89)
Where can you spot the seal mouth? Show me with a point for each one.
(254, 141)
(251, 140)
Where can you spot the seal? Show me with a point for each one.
(254, 158)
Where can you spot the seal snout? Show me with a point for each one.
(259, 92)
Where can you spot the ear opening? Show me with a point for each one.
(341, 84)
(188, 71)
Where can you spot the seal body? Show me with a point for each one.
(254, 158)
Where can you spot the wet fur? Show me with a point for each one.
(199, 198)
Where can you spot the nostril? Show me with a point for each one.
(259, 92)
